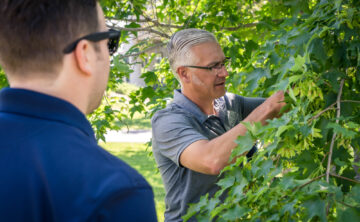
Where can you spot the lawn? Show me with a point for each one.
(138, 122)
(136, 155)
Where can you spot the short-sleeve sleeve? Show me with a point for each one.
(248, 104)
(173, 133)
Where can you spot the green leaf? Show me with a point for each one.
(298, 66)
(238, 189)
(150, 78)
(349, 214)
(245, 143)
(355, 193)
(226, 182)
(340, 163)
(195, 208)
(315, 207)
(341, 130)
(295, 78)
(235, 213)
(291, 94)
(282, 129)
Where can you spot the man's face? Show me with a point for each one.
(101, 68)
(207, 84)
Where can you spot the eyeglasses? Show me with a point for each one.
(217, 66)
(112, 35)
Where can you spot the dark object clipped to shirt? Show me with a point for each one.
(52, 169)
(177, 126)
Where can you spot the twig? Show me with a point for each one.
(344, 178)
(334, 135)
(146, 20)
(146, 29)
(345, 204)
(249, 25)
(192, 16)
(307, 183)
(324, 157)
(143, 51)
(157, 23)
(350, 101)
(320, 113)
(277, 160)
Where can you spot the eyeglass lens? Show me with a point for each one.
(222, 64)
(113, 45)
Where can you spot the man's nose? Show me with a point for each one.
(223, 72)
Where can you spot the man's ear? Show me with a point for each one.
(183, 74)
(83, 55)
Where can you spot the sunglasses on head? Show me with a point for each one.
(112, 35)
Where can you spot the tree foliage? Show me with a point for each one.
(306, 165)
(3, 80)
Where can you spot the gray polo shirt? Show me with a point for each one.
(177, 126)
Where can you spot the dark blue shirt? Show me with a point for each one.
(51, 168)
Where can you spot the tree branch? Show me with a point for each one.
(350, 101)
(344, 178)
(157, 23)
(322, 161)
(321, 112)
(146, 20)
(307, 183)
(143, 51)
(249, 25)
(334, 135)
(345, 204)
(146, 29)
(192, 16)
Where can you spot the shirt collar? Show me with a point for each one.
(31, 103)
(181, 100)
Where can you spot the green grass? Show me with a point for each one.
(136, 155)
(139, 121)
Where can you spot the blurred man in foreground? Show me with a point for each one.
(194, 135)
(55, 54)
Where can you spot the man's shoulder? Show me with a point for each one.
(230, 100)
(68, 147)
(172, 110)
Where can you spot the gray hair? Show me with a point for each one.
(180, 44)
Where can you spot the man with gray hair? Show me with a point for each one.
(194, 135)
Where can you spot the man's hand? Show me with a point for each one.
(268, 110)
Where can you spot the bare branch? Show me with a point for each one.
(334, 135)
(146, 20)
(146, 29)
(249, 25)
(344, 178)
(143, 51)
(350, 101)
(159, 24)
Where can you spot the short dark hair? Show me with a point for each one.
(33, 33)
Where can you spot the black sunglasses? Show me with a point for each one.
(112, 35)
